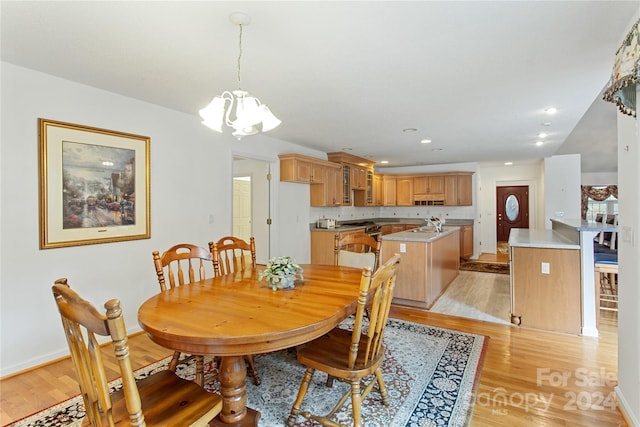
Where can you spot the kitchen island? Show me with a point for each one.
(545, 281)
(429, 262)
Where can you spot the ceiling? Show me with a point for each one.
(474, 77)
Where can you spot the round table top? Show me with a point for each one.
(238, 314)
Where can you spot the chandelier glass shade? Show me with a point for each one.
(237, 109)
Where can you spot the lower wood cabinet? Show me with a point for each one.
(322, 245)
(466, 241)
(426, 268)
(546, 289)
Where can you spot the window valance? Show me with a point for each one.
(598, 194)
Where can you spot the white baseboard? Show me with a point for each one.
(625, 408)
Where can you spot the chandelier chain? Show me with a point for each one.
(239, 56)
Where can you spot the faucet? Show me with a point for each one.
(437, 224)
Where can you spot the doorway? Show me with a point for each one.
(512, 210)
(242, 207)
(251, 203)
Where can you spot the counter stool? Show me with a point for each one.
(606, 273)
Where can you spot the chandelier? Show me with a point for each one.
(237, 109)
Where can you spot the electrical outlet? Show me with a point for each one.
(545, 268)
(403, 248)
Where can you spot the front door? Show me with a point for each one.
(512, 210)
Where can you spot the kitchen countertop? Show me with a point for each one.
(388, 221)
(422, 234)
(584, 225)
(530, 238)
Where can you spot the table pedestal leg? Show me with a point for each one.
(232, 374)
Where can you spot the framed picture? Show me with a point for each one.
(94, 185)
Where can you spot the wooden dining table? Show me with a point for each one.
(238, 314)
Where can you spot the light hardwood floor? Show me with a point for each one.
(529, 378)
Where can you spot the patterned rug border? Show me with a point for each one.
(416, 416)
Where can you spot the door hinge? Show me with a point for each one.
(268, 177)
(268, 221)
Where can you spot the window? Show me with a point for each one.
(609, 206)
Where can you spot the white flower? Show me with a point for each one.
(281, 272)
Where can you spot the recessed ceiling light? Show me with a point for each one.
(508, 163)
(542, 135)
(425, 141)
(347, 149)
(546, 124)
(436, 149)
(384, 162)
(539, 143)
(409, 130)
(551, 110)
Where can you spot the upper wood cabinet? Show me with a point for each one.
(389, 190)
(325, 178)
(428, 184)
(458, 190)
(356, 168)
(294, 168)
(404, 191)
(378, 189)
(304, 169)
(328, 192)
(358, 177)
(373, 193)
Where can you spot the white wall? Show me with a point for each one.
(599, 178)
(562, 188)
(191, 169)
(492, 176)
(628, 390)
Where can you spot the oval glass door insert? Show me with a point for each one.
(512, 208)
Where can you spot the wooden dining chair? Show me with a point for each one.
(161, 399)
(352, 356)
(357, 250)
(231, 254)
(180, 265)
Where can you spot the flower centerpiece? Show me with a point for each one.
(281, 272)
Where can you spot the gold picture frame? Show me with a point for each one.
(91, 186)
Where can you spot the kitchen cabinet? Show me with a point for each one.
(323, 177)
(358, 177)
(389, 190)
(546, 288)
(428, 190)
(466, 241)
(322, 245)
(458, 190)
(430, 262)
(404, 191)
(378, 189)
(295, 168)
(373, 194)
(327, 191)
(346, 185)
(354, 175)
(302, 169)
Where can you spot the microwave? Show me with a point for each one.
(326, 223)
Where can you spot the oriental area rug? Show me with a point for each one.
(431, 375)
(485, 267)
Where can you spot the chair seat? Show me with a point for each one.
(605, 258)
(329, 354)
(168, 408)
